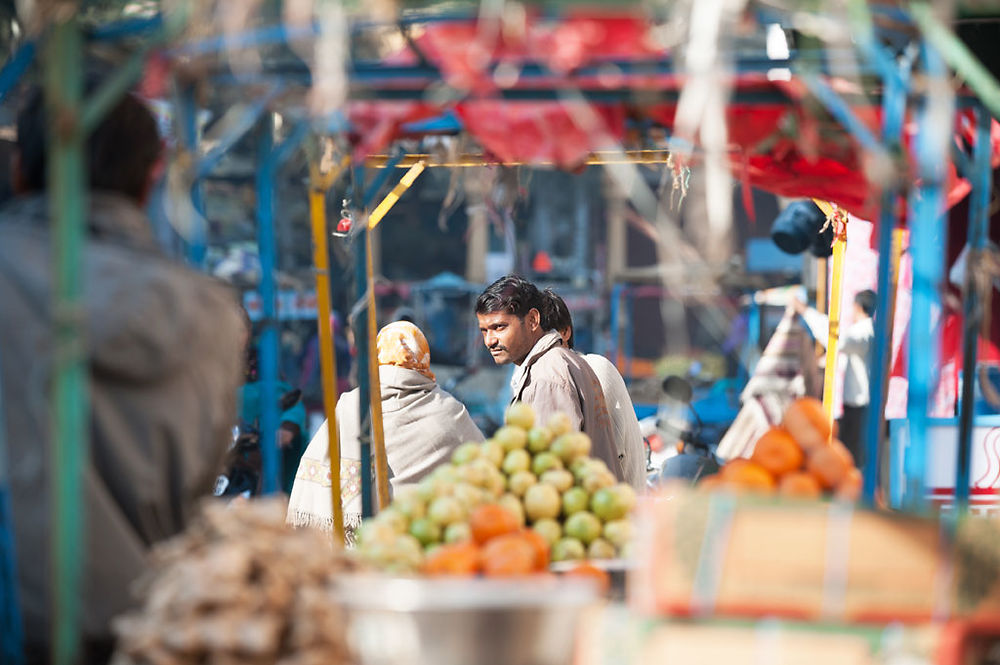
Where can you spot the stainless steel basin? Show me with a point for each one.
(394, 621)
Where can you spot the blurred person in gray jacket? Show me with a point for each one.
(549, 376)
(163, 345)
(628, 437)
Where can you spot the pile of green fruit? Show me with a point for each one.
(542, 475)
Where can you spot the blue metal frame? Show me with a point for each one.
(14, 68)
(197, 240)
(978, 232)
(926, 242)
(894, 111)
(270, 158)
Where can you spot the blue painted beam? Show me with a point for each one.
(14, 68)
(198, 238)
(978, 233)
(132, 27)
(244, 123)
(270, 159)
(926, 240)
(894, 110)
(842, 112)
(269, 344)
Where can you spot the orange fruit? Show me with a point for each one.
(747, 475)
(830, 464)
(491, 520)
(801, 485)
(850, 487)
(509, 555)
(807, 423)
(589, 571)
(460, 559)
(777, 452)
(541, 546)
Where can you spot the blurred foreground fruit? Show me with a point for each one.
(808, 424)
(509, 555)
(777, 452)
(490, 521)
(748, 475)
(830, 464)
(531, 483)
(799, 458)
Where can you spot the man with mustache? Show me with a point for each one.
(549, 376)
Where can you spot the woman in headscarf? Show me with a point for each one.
(423, 424)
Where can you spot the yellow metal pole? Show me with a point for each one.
(319, 184)
(830, 376)
(474, 160)
(390, 199)
(378, 433)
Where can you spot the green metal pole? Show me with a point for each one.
(69, 442)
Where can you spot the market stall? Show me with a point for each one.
(889, 141)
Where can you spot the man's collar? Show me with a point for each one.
(546, 342)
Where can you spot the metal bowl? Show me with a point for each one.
(393, 621)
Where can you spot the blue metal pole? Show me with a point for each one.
(894, 108)
(269, 348)
(979, 220)
(927, 239)
(189, 126)
(361, 341)
(14, 68)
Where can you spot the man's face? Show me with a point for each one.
(509, 338)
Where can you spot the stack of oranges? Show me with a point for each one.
(499, 547)
(800, 459)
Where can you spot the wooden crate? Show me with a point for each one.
(703, 554)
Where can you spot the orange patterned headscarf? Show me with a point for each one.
(403, 345)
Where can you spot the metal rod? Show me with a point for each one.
(319, 185)
(364, 373)
(830, 374)
(894, 105)
(14, 68)
(958, 55)
(926, 239)
(245, 122)
(270, 158)
(112, 90)
(979, 221)
(63, 80)
(197, 239)
(379, 457)
(269, 344)
(392, 197)
(475, 160)
(378, 434)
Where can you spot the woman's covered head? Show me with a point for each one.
(403, 344)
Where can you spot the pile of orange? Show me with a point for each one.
(801, 458)
(499, 547)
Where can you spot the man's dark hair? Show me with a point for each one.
(866, 301)
(510, 294)
(555, 314)
(120, 153)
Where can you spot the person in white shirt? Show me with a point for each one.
(628, 438)
(855, 344)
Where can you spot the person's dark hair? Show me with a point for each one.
(555, 314)
(511, 294)
(120, 153)
(866, 301)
